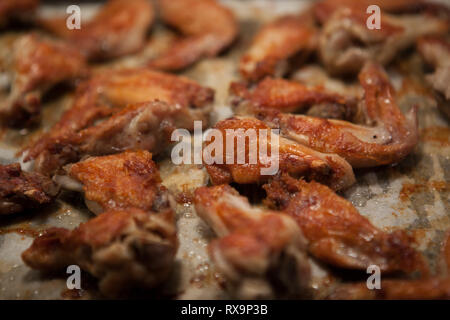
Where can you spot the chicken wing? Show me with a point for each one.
(436, 52)
(208, 28)
(37, 64)
(291, 96)
(20, 190)
(274, 44)
(246, 139)
(123, 249)
(337, 233)
(392, 138)
(12, 9)
(119, 28)
(260, 252)
(110, 91)
(120, 181)
(346, 43)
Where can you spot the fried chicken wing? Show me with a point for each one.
(291, 96)
(436, 52)
(208, 28)
(124, 180)
(11, 9)
(346, 43)
(392, 138)
(260, 252)
(108, 92)
(245, 138)
(337, 233)
(123, 249)
(37, 64)
(274, 44)
(119, 28)
(20, 190)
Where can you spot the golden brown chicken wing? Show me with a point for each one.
(37, 64)
(260, 252)
(108, 92)
(290, 96)
(119, 28)
(346, 43)
(337, 233)
(123, 249)
(392, 138)
(275, 43)
(208, 28)
(124, 180)
(20, 190)
(245, 138)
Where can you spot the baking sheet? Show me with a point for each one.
(412, 195)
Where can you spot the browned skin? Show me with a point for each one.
(119, 28)
(123, 249)
(392, 138)
(255, 247)
(337, 233)
(21, 190)
(291, 96)
(436, 287)
(37, 64)
(110, 91)
(275, 43)
(294, 158)
(128, 179)
(10, 9)
(207, 26)
(346, 43)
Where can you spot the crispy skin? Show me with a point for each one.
(392, 138)
(436, 52)
(119, 28)
(147, 126)
(346, 43)
(11, 9)
(110, 91)
(124, 180)
(293, 158)
(290, 96)
(21, 190)
(123, 249)
(37, 64)
(337, 233)
(208, 28)
(262, 253)
(274, 44)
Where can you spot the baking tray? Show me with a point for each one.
(412, 195)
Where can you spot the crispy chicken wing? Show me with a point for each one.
(123, 249)
(124, 180)
(337, 233)
(260, 252)
(274, 44)
(11, 9)
(20, 190)
(291, 96)
(292, 157)
(436, 52)
(346, 43)
(208, 28)
(392, 138)
(110, 91)
(37, 64)
(119, 28)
